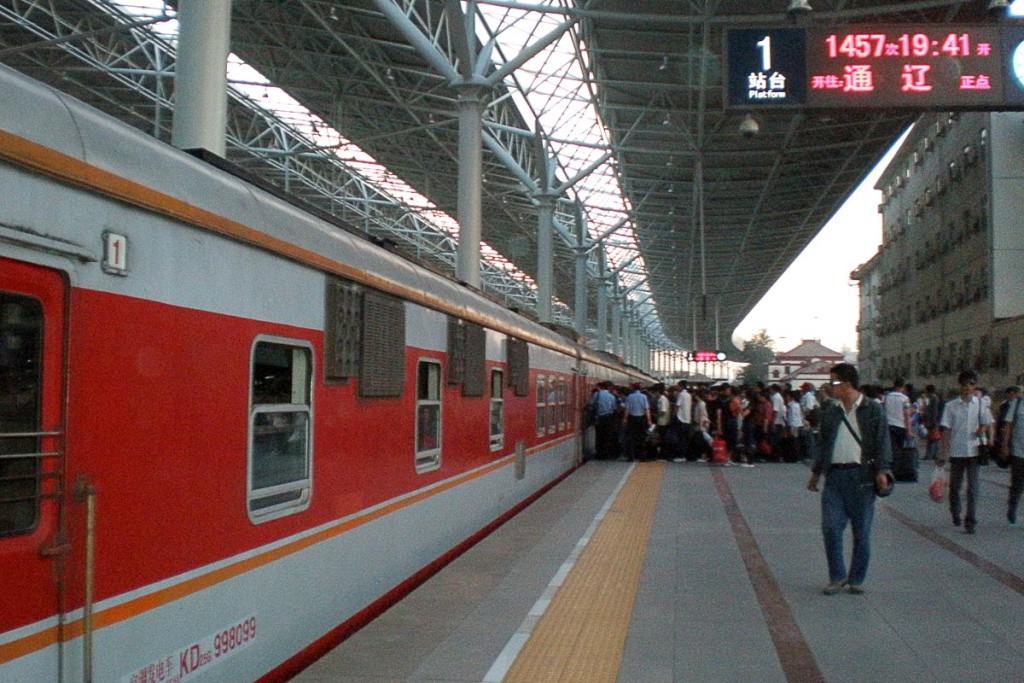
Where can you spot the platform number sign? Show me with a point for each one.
(766, 67)
(115, 253)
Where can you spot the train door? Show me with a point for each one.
(32, 324)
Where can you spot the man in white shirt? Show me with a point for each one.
(778, 416)
(963, 421)
(897, 413)
(808, 401)
(684, 413)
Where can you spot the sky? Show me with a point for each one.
(815, 298)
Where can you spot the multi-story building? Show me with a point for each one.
(950, 272)
(868, 358)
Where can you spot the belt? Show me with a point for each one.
(844, 466)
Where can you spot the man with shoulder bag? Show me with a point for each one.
(856, 458)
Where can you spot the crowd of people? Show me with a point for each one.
(680, 423)
(961, 429)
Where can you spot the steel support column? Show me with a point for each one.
(545, 255)
(471, 108)
(616, 326)
(200, 77)
(581, 274)
(602, 301)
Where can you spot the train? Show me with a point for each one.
(232, 432)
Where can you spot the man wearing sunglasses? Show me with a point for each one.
(963, 421)
(855, 457)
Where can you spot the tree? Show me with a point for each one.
(758, 351)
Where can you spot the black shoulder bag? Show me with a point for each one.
(880, 491)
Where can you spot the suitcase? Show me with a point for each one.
(904, 464)
(719, 451)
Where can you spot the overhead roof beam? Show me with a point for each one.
(680, 19)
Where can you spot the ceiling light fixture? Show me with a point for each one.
(996, 7)
(799, 7)
(749, 127)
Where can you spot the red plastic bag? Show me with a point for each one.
(719, 452)
(940, 481)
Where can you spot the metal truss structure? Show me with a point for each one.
(670, 223)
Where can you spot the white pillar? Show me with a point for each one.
(617, 328)
(200, 75)
(581, 276)
(602, 302)
(545, 256)
(471, 107)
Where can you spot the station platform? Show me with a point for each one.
(670, 572)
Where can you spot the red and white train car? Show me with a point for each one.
(231, 433)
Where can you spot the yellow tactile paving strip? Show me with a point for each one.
(582, 633)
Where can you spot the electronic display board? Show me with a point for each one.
(907, 66)
(920, 66)
(706, 356)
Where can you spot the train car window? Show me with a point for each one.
(383, 351)
(21, 347)
(518, 358)
(343, 329)
(497, 410)
(428, 415)
(542, 405)
(280, 435)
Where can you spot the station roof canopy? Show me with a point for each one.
(624, 99)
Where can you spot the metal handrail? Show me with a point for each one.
(38, 476)
(40, 454)
(23, 435)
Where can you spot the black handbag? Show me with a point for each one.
(880, 491)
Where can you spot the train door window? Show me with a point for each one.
(552, 404)
(542, 408)
(428, 415)
(280, 435)
(563, 408)
(21, 347)
(497, 410)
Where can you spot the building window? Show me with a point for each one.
(428, 415)
(280, 418)
(497, 410)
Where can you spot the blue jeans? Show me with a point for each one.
(844, 499)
